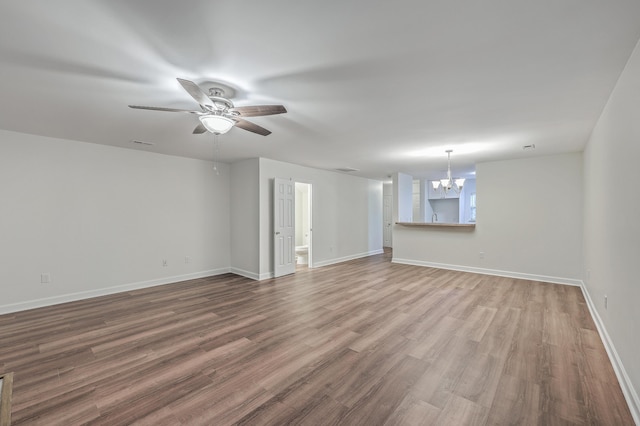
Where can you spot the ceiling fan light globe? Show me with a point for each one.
(217, 124)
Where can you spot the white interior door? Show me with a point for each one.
(284, 247)
(386, 218)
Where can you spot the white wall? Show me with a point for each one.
(101, 219)
(347, 213)
(245, 218)
(528, 224)
(612, 226)
(465, 200)
(387, 188)
(447, 209)
(403, 200)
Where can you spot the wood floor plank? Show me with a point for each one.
(477, 323)
(382, 400)
(413, 412)
(480, 378)
(516, 402)
(461, 411)
(361, 342)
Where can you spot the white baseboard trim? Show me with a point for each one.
(72, 297)
(496, 272)
(246, 274)
(628, 390)
(269, 275)
(266, 276)
(346, 258)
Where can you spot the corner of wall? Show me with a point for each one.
(626, 384)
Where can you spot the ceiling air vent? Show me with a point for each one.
(347, 169)
(529, 147)
(143, 143)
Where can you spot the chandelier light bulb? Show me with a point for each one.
(447, 184)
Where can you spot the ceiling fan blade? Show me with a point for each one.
(200, 129)
(247, 125)
(259, 110)
(196, 92)
(163, 109)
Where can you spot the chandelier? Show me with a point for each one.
(444, 186)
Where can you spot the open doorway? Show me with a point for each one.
(303, 231)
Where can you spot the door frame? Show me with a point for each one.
(310, 209)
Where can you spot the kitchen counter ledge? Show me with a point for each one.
(438, 224)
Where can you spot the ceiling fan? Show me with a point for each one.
(218, 114)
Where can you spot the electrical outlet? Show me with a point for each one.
(45, 278)
(187, 259)
(606, 302)
(481, 255)
(164, 262)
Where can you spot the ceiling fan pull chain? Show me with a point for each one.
(215, 154)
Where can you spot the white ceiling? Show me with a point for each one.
(380, 86)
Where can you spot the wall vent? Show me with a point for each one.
(529, 147)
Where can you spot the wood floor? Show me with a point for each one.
(365, 342)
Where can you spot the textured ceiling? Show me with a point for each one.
(378, 86)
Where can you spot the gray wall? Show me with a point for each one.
(245, 218)
(529, 224)
(612, 226)
(403, 198)
(101, 219)
(346, 213)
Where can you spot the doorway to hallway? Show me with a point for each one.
(303, 228)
